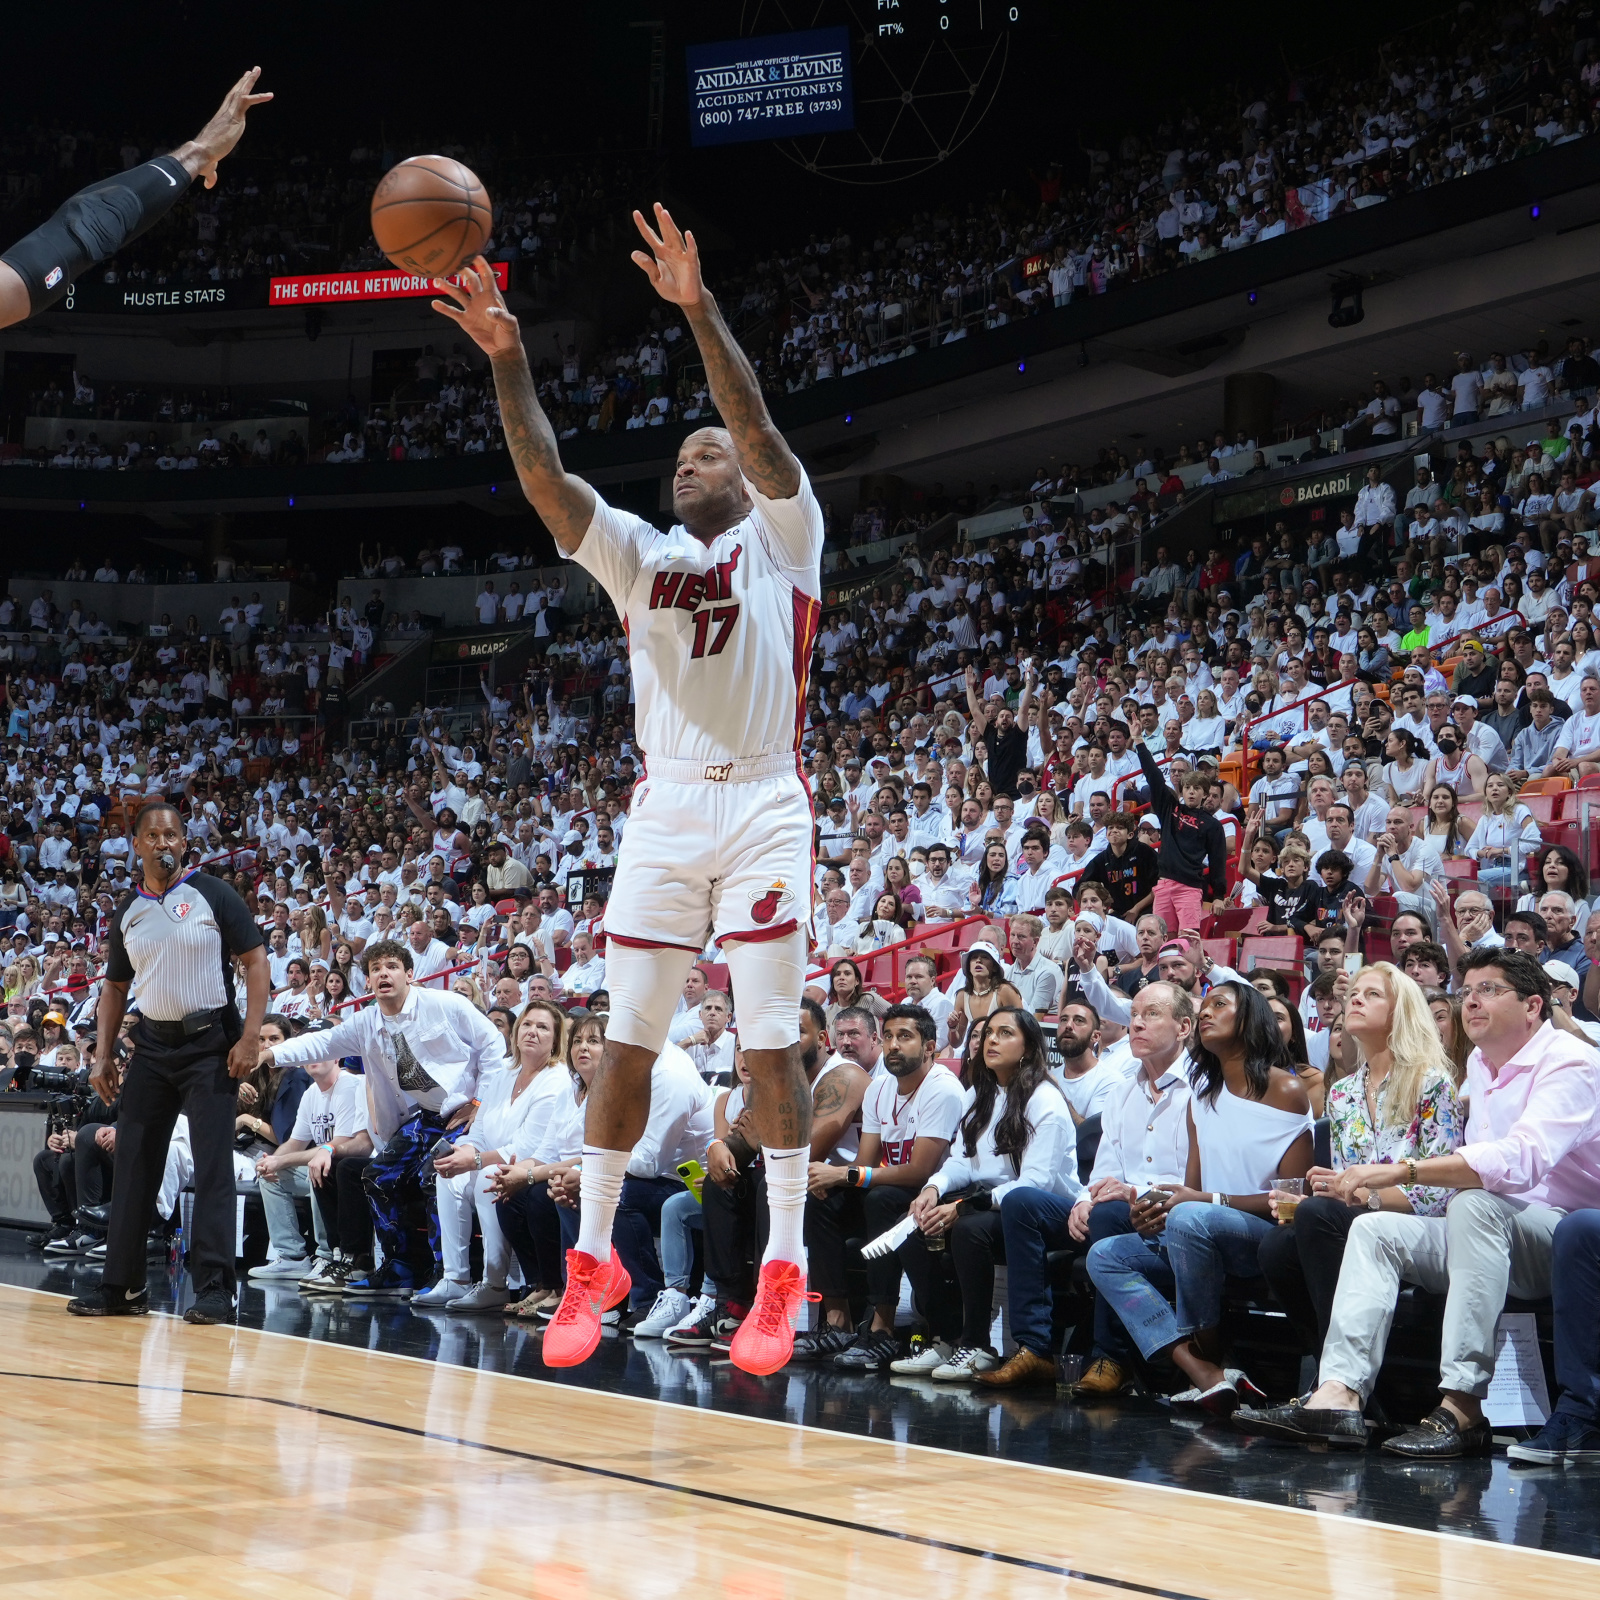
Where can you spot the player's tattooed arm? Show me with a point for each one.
(673, 267)
(565, 503)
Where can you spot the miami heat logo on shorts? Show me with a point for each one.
(767, 903)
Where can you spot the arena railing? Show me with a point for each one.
(947, 935)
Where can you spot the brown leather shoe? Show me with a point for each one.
(1023, 1368)
(1103, 1379)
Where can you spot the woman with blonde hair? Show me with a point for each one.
(1399, 1103)
(467, 987)
(1504, 837)
(515, 1105)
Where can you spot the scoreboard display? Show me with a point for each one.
(922, 21)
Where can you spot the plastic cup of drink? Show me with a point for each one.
(1288, 1192)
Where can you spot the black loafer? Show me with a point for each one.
(1273, 1422)
(1440, 1437)
(1344, 1430)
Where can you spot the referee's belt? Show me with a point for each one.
(669, 769)
(185, 1029)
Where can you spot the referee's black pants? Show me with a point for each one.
(163, 1080)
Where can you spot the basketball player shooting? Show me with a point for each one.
(721, 614)
(96, 222)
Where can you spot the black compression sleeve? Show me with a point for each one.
(92, 226)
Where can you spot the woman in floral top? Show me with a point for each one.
(1400, 1101)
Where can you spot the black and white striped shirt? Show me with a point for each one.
(176, 948)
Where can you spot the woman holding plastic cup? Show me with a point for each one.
(1400, 1101)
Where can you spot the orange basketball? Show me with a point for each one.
(430, 214)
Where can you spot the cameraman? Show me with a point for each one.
(74, 1168)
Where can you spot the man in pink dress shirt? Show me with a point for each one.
(1532, 1154)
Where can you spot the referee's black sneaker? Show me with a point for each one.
(211, 1307)
(107, 1301)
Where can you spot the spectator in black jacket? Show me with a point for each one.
(1193, 863)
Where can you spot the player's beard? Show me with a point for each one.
(809, 1059)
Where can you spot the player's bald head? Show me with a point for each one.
(720, 437)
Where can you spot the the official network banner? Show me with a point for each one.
(253, 294)
(383, 283)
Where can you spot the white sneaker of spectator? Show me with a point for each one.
(965, 1365)
(441, 1294)
(480, 1297)
(671, 1308)
(927, 1358)
(282, 1271)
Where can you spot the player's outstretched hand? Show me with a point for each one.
(223, 131)
(673, 268)
(480, 309)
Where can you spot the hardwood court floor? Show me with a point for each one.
(149, 1458)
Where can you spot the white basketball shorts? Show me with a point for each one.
(697, 859)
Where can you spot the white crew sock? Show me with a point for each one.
(599, 1190)
(787, 1171)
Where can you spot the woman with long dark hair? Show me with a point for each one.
(994, 874)
(1249, 1122)
(846, 988)
(1557, 867)
(1015, 1131)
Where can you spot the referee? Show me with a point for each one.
(175, 936)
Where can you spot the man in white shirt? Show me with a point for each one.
(921, 979)
(710, 1045)
(1276, 791)
(1579, 745)
(588, 970)
(423, 1053)
(1144, 1142)
(430, 960)
(943, 890)
(1038, 981)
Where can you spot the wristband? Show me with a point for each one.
(866, 1177)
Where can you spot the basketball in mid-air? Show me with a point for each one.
(430, 214)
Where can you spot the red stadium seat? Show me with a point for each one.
(1234, 920)
(1543, 806)
(504, 908)
(1459, 867)
(1220, 950)
(1375, 944)
(1287, 952)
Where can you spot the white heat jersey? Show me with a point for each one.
(933, 1112)
(720, 636)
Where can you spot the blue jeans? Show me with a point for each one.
(681, 1219)
(1033, 1223)
(1206, 1244)
(1134, 1279)
(633, 1234)
(1110, 1219)
(1575, 1287)
(1199, 1247)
